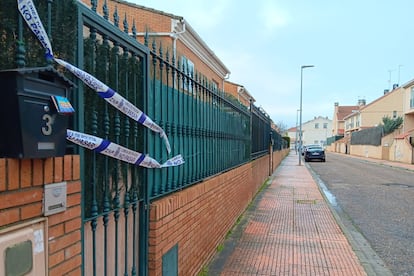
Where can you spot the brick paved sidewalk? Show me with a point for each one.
(289, 230)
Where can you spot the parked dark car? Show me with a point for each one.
(315, 153)
(306, 147)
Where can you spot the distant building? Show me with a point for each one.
(408, 107)
(293, 135)
(396, 146)
(338, 122)
(316, 131)
(388, 105)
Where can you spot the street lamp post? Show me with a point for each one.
(300, 117)
(296, 132)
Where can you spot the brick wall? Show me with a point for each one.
(198, 218)
(278, 156)
(22, 185)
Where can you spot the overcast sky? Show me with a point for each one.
(359, 48)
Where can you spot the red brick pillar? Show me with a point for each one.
(22, 183)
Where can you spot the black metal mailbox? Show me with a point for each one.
(29, 122)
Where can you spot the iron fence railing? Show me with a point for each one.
(115, 193)
(211, 132)
(278, 143)
(260, 132)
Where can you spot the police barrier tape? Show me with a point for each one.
(30, 15)
(116, 151)
(116, 100)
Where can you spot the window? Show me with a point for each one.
(316, 125)
(214, 86)
(325, 125)
(412, 98)
(187, 66)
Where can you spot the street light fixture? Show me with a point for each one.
(300, 117)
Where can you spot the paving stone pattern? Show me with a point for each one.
(289, 230)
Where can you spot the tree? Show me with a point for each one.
(282, 127)
(389, 124)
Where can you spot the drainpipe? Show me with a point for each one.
(174, 35)
(239, 90)
(226, 77)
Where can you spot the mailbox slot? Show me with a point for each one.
(31, 126)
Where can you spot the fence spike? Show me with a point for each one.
(21, 50)
(167, 56)
(94, 4)
(116, 17)
(134, 30)
(126, 26)
(105, 10)
(161, 56)
(146, 37)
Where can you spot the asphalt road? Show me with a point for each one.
(379, 201)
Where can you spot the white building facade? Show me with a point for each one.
(316, 131)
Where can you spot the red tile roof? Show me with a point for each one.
(344, 111)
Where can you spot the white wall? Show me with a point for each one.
(316, 131)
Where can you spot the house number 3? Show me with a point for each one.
(47, 129)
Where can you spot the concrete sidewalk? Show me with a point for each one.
(393, 164)
(288, 230)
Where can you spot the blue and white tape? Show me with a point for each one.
(116, 151)
(116, 100)
(30, 15)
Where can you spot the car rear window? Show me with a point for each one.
(315, 149)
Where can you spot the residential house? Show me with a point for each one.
(352, 121)
(316, 131)
(292, 133)
(238, 92)
(408, 107)
(401, 148)
(338, 122)
(396, 146)
(370, 115)
(172, 34)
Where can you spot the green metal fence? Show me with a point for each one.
(20, 48)
(260, 132)
(211, 132)
(278, 143)
(115, 194)
(333, 139)
(114, 197)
